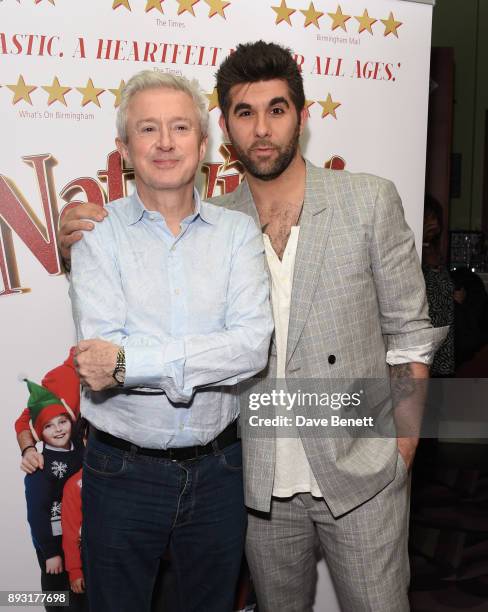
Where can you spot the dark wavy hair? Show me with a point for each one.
(259, 61)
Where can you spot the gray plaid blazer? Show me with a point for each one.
(358, 291)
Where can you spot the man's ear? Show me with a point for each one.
(123, 150)
(223, 126)
(203, 148)
(303, 119)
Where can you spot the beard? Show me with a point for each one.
(268, 170)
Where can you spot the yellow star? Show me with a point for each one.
(339, 19)
(154, 4)
(56, 92)
(213, 100)
(283, 13)
(118, 3)
(90, 93)
(311, 16)
(117, 92)
(391, 26)
(308, 104)
(365, 22)
(329, 107)
(217, 7)
(22, 91)
(186, 5)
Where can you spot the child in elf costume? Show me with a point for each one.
(51, 421)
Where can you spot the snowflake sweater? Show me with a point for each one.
(71, 524)
(44, 492)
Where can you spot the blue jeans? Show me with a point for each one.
(135, 507)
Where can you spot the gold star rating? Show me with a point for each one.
(186, 5)
(308, 104)
(391, 26)
(90, 93)
(311, 16)
(217, 7)
(118, 3)
(21, 91)
(56, 92)
(213, 100)
(117, 93)
(365, 22)
(283, 13)
(154, 4)
(329, 107)
(339, 19)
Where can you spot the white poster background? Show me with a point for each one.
(379, 80)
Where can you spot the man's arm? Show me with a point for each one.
(31, 458)
(411, 341)
(409, 390)
(74, 222)
(177, 366)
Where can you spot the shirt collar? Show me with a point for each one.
(61, 450)
(136, 210)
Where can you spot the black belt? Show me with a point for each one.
(225, 438)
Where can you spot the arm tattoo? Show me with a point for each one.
(402, 382)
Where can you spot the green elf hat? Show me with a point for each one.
(43, 406)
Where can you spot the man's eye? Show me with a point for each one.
(148, 128)
(277, 111)
(181, 128)
(245, 113)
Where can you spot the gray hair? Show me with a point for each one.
(149, 79)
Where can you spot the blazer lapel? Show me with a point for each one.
(315, 223)
(242, 201)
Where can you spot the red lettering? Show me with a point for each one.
(150, 54)
(101, 45)
(116, 176)
(17, 216)
(299, 59)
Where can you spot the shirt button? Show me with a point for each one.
(177, 292)
(182, 427)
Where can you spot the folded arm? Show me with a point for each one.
(175, 365)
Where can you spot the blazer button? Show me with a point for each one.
(332, 359)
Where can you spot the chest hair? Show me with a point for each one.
(278, 223)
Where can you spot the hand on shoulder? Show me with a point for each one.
(74, 221)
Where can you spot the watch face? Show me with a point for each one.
(119, 376)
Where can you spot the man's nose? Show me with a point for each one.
(165, 140)
(262, 127)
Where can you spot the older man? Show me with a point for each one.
(170, 302)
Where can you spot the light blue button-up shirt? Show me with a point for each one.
(192, 312)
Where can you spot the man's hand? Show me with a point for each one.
(407, 448)
(78, 585)
(95, 362)
(32, 460)
(54, 565)
(409, 390)
(73, 223)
